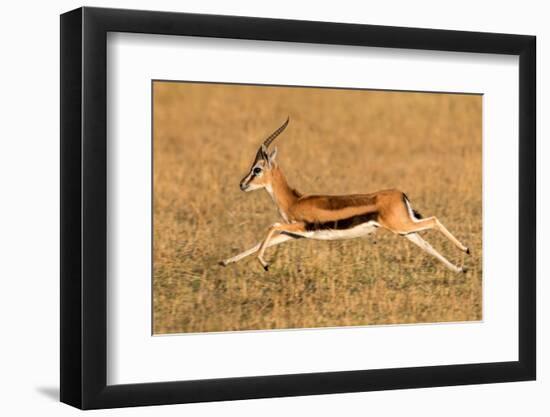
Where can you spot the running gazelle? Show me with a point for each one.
(330, 217)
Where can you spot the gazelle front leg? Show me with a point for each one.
(277, 228)
(275, 241)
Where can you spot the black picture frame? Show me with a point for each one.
(84, 207)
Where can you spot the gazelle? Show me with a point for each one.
(330, 217)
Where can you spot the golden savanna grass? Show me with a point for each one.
(338, 141)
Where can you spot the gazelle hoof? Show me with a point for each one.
(463, 269)
(263, 263)
(222, 263)
(467, 251)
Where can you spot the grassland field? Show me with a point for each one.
(338, 141)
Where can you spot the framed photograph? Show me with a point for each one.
(259, 208)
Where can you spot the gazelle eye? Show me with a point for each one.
(257, 170)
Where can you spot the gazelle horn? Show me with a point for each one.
(272, 137)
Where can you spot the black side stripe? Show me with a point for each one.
(342, 224)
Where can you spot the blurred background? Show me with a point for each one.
(338, 141)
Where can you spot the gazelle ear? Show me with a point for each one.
(272, 155)
(263, 150)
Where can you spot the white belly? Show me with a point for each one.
(357, 231)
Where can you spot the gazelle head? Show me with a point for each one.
(260, 174)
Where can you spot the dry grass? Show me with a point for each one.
(338, 141)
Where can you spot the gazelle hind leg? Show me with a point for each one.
(439, 226)
(416, 225)
(417, 240)
(275, 241)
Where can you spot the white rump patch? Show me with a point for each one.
(410, 210)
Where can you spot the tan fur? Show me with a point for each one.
(323, 208)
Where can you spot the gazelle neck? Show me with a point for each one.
(282, 194)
